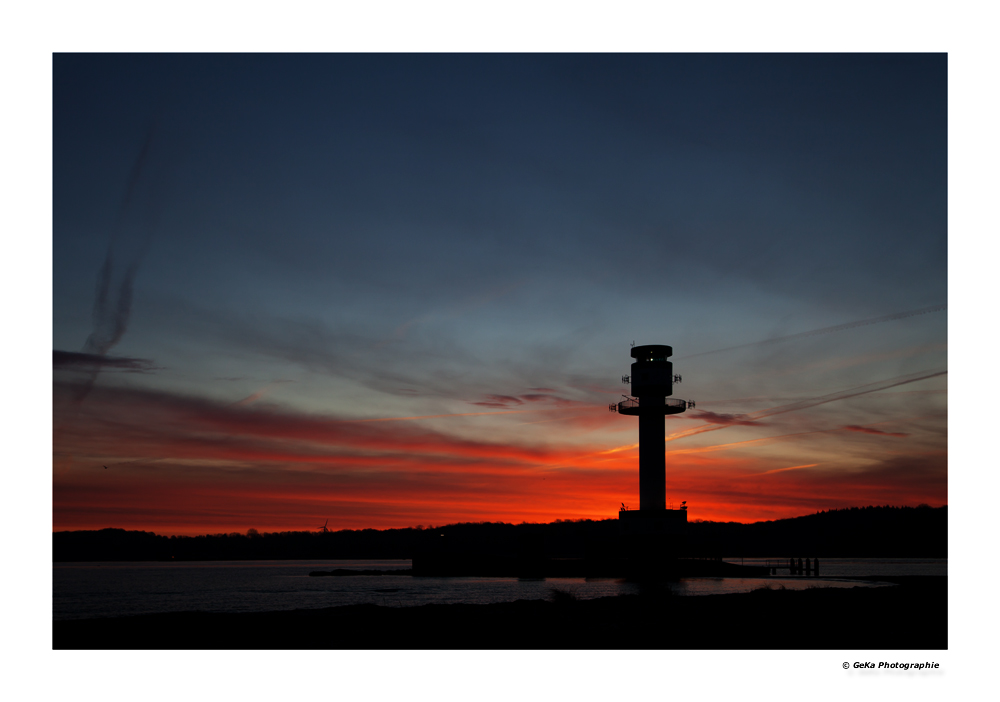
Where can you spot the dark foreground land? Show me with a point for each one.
(911, 615)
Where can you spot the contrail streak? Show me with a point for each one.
(805, 404)
(826, 330)
(782, 437)
(781, 470)
(766, 439)
(557, 419)
(134, 177)
(109, 327)
(852, 392)
(616, 449)
(463, 414)
(111, 313)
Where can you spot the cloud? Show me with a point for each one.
(869, 430)
(815, 401)
(75, 361)
(782, 470)
(788, 437)
(260, 393)
(249, 460)
(751, 442)
(851, 392)
(327, 348)
(217, 464)
(442, 416)
(736, 488)
(151, 422)
(726, 419)
(500, 401)
(504, 401)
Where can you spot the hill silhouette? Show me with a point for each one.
(861, 532)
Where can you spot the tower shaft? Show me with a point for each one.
(652, 530)
(652, 383)
(652, 461)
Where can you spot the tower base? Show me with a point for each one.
(652, 539)
(652, 522)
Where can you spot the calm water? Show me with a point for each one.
(859, 567)
(86, 590)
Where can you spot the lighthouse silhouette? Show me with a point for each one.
(652, 381)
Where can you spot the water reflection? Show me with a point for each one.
(84, 590)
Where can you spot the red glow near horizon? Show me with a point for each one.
(181, 465)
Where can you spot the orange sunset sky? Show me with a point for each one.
(392, 290)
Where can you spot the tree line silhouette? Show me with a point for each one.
(858, 532)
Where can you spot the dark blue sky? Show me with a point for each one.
(818, 177)
(408, 235)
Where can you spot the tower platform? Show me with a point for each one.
(656, 406)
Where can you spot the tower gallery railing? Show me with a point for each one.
(633, 402)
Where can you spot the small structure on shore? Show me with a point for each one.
(810, 568)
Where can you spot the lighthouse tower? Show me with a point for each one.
(652, 380)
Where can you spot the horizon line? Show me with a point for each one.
(421, 527)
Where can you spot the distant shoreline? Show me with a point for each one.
(866, 532)
(911, 616)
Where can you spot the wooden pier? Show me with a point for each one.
(808, 567)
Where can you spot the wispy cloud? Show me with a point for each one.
(500, 401)
(782, 470)
(454, 414)
(224, 467)
(185, 426)
(725, 419)
(260, 393)
(549, 398)
(751, 442)
(825, 330)
(870, 430)
(76, 361)
(218, 448)
(815, 401)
